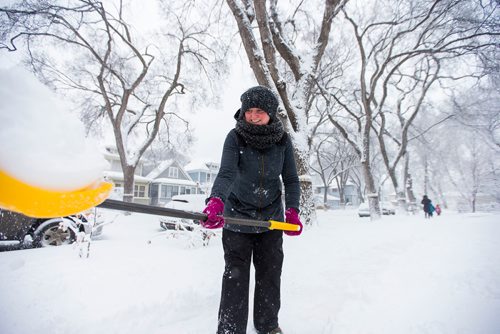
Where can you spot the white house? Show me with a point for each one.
(203, 173)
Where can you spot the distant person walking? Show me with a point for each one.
(438, 210)
(428, 207)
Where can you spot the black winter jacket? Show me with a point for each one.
(249, 182)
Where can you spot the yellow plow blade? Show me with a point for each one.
(18, 196)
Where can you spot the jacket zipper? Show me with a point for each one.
(261, 187)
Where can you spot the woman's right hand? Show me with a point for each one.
(214, 211)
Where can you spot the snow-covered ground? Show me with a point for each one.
(400, 275)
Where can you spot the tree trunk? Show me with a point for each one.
(128, 183)
(473, 202)
(400, 194)
(372, 194)
(307, 212)
(307, 209)
(426, 175)
(408, 181)
(341, 196)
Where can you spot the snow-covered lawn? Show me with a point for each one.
(400, 275)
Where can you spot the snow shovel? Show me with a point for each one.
(19, 196)
(155, 210)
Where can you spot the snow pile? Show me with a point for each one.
(42, 143)
(402, 274)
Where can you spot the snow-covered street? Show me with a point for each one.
(403, 274)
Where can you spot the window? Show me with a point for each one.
(163, 192)
(153, 190)
(173, 172)
(139, 190)
(175, 190)
(118, 185)
(169, 192)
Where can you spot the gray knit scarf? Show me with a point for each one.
(260, 137)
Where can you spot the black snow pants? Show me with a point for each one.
(267, 251)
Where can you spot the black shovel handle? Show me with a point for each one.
(159, 211)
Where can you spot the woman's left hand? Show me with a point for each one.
(292, 217)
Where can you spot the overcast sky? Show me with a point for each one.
(212, 125)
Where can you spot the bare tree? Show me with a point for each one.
(323, 164)
(400, 49)
(477, 109)
(285, 56)
(470, 166)
(116, 73)
(332, 160)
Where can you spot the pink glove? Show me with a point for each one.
(214, 210)
(292, 217)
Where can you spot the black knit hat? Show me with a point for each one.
(259, 97)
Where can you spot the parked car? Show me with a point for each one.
(188, 202)
(364, 210)
(386, 207)
(18, 230)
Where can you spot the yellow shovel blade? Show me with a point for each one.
(276, 225)
(36, 202)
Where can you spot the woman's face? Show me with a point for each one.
(257, 116)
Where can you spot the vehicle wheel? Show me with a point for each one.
(51, 234)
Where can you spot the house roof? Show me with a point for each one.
(160, 168)
(175, 181)
(119, 176)
(110, 156)
(196, 166)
